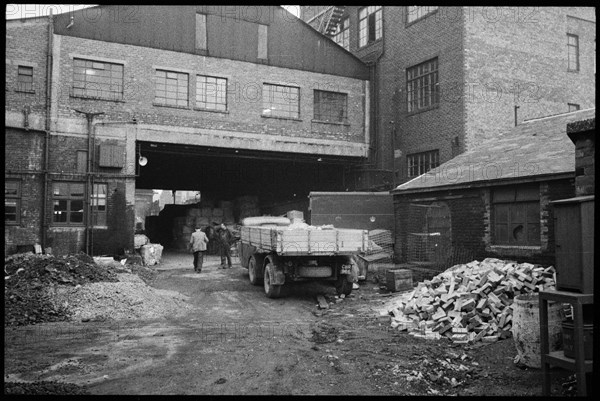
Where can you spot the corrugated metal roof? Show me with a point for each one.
(537, 147)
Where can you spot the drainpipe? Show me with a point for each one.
(88, 219)
(516, 107)
(47, 134)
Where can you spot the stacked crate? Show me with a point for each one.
(247, 206)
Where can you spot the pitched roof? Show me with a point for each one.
(537, 147)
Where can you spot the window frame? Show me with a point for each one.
(427, 10)
(368, 25)
(25, 86)
(16, 198)
(342, 34)
(89, 89)
(95, 203)
(422, 162)
(162, 100)
(320, 115)
(576, 55)
(418, 96)
(69, 199)
(516, 200)
(219, 93)
(573, 107)
(285, 113)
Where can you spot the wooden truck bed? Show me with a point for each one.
(301, 241)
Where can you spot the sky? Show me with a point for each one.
(15, 11)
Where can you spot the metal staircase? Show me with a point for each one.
(330, 20)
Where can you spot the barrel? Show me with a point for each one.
(526, 329)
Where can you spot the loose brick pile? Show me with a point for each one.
(469, 302)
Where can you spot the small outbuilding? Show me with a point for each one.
(491, 201)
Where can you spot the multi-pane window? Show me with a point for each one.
(573, 107)
(331, 106)
(68, 201)
(422, 88)
(420, 163)
(414, 13)
(369, 25)
(24, 79)
(96, 79)
(573, 52)
(211, 93)
(341, 35)
(281, 101)
(171, 88)
(12, 202)
(516, 215)
(99, 204)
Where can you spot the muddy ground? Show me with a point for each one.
(236, 341)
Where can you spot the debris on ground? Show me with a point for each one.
(46, 288)
(469, 302)
(44, 388)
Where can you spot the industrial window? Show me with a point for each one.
(99, 204)
(573, 107)
(516, 215)
(422, 86)
(68, 199)
(12, 202)
(200, 32)
(24, 79)
(420, 163)
(414, 13)
(171, 88)
(573, 52)
(281, 101)
(262, 41)
(341, 36)
(369, 25)
(331, 106)
(211, 93)
(100, 80)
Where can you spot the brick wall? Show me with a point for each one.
(245, 82)
(26, 44)
(23, 155)
(471, 223)
(585, 151)
(517, 56)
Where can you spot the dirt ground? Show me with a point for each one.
(236, 341)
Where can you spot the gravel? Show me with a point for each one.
(44, 387)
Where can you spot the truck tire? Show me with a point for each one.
(343, 286)
(271, 290)
(254, 270)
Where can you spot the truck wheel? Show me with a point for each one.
(253, 271)
(271, 290)
(343, 286)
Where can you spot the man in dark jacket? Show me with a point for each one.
(225, 239)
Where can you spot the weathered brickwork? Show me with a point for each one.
(490, 59)
(244, 97)
(471, 218)
(517, 57)
(26, 45)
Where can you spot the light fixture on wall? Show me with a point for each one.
(142, 161)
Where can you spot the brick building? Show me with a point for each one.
(495, 200)
(228, 101)
(445, 79)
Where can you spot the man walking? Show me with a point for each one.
(225, 237)
(198, 243)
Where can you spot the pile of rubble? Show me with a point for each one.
(45, 288)
(29, 276)
(469, 302)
